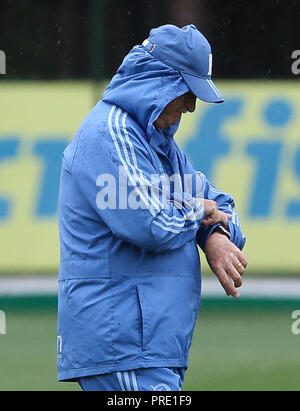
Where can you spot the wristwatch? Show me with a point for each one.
(221, 229)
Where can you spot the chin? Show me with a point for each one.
(175, 121)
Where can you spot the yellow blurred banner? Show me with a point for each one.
(37, 122)
(248, 146)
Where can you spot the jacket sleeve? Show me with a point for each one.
(115, 176)
(225, 203)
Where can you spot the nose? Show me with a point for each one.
(191, 103)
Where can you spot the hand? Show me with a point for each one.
(213, 214)
(226, 261)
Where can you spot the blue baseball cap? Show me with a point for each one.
(186, 50)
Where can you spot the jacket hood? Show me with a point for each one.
(143, 86)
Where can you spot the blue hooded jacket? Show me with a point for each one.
(129, 278)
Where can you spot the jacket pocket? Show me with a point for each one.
(142, 326)
(168, 309)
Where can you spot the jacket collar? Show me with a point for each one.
(161, 140)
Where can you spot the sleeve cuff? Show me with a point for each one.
(205, 232)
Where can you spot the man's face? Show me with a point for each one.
(173, 111)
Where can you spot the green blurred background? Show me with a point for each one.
(247, 345)
(59, 57)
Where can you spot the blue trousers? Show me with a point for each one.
(143, 379)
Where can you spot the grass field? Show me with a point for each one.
(248, 347)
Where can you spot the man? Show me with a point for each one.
(129, 280)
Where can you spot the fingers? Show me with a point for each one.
(227, 262)
(230, 275)
(240, 263)
(213, 215)
(216, 216)
(208, 221)
(210, 207)
(236, 277)
(229, 286)
(224, 219)
(239, 267)
(243, 260)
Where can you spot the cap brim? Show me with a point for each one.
(204, 89)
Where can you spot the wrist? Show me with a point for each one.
(221, 230)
